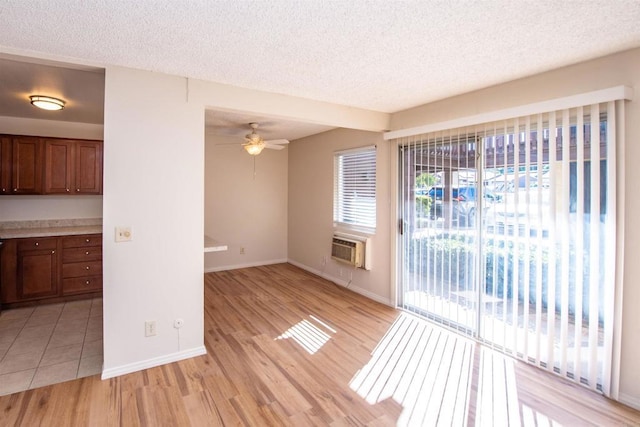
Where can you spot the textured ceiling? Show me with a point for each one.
(379, 55)
(236, 124)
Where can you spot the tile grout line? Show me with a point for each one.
(84, 339)
(16, 337)
(46, 346)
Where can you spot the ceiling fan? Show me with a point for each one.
(255, 144)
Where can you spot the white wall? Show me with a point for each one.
(243, 210)
(153, 182)
(311, 210)
(614, 70)
(22, 208)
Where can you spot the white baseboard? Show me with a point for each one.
(342, 282)
(152, 363)
(632, 401)
(247, 265)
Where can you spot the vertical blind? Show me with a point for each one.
(531, 273)
(354, 188)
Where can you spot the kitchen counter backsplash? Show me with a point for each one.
(49, 227)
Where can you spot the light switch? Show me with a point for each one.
(123, 234)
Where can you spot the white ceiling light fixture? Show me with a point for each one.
(255, 144)
(254, 148)
(47, 102)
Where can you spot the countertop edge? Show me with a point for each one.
(49, 232)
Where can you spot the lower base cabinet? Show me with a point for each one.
(37, 268)
(81, 264)
(50, 268)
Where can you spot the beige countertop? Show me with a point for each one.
(212, 245)
(49, 228)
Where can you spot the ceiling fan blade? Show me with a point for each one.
(274, 147)
(277, 141)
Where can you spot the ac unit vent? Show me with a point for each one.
(348, 251)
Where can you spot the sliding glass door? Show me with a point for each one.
(508, 234)
(439, 245)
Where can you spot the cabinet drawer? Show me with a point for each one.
(37, 244)
(90, 253)
(82, 269)
(78, 285)
(82, 241)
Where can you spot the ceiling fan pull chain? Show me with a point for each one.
(254, 168)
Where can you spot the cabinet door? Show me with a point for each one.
(8, 271)
(37, 273)
(5, 164)
(58, 162)
(88, 167)
(27, 165)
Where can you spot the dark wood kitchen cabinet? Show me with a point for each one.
(72, 166)
(5, 164)
(39, 165)
(20, 165)
(81, 264)
(50, 269)
(37, 272)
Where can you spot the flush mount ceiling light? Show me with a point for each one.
(47, 102)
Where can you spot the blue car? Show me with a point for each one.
(463, 204)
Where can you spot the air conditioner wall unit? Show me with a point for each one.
(352, 250)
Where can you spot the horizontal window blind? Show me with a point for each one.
(354, 188)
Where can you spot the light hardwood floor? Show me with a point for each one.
(288, 348)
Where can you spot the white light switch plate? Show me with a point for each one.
(123, 234)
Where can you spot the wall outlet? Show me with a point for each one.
(178, 323)
(242, 251)
(150, 328)
(123, 234)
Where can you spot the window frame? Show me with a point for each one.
(364, 177)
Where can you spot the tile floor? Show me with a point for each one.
(50, 344)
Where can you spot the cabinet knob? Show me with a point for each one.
(37, 244)
(87, 282)
(86, 253)
(77, 190)
(87, 240)
(53, 252)
(67, 190)
(4, 190)
(15, 190)
(87, 267)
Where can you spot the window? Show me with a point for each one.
(354, 189)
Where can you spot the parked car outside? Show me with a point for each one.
(463, 203)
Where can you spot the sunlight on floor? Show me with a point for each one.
(439, 378)
(308, 334)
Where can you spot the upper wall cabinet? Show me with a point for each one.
(34, 165)
(72, 167)
(5, 164)
(22, 169)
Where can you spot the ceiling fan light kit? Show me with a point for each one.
(254, 149)
(255, 144)
(46, 102)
